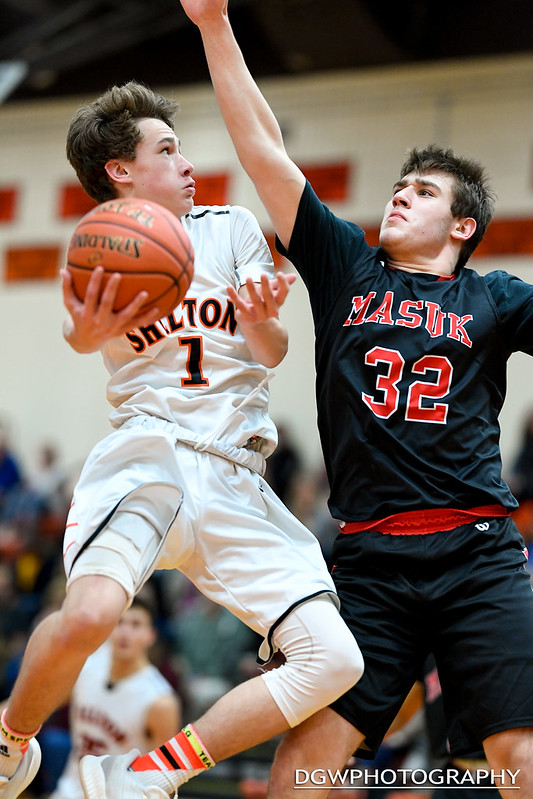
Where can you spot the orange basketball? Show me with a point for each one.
(143, 241)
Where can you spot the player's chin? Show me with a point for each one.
(389, 237)
(179, 206)
(185, 205)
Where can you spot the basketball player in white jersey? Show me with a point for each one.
(120, 701)
(179, 482)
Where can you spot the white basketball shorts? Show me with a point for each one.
(216, 521)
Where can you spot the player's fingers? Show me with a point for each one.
(109, 293)
(282, 289)
(254, 295)
(283, 283)
(237, 300)
(146, 318)
(129, 314)
(232, 294)
(269, 300)
(94, 289)
(69, 295)
(288, 278)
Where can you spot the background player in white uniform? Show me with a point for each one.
(120, 700)
(179, 482)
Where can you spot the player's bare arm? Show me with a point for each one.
(92, 322)
(250, 122)
(163, 719)
(257, 312)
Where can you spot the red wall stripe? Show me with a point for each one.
(32, 263)
(74, 202)
(330, 181)
(212, 189)
(8, 203)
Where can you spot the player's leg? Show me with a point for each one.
(380, 608)
(485, 649)
(54, 656)
(324, 741)
(58, 648)
(511, 753)
(322, 660)
(254, 557)
(100, 586)
(101, 583)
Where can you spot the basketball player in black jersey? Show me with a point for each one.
(411, 353)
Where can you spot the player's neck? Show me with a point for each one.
(441, 268)
(120, 669)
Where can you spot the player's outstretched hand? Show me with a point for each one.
(200, 11)
(92, 322)
(257, 312)
(259, 302)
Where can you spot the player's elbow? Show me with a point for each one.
(272, 357)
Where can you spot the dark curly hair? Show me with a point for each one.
(108, 128)
(472, 195)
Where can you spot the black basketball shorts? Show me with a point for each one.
(464, 595)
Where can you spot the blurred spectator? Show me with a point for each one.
(49, 480)
(214, 648)
(10, 474)
(119, 702)
(13, 624)
(521, 484)
(283, 465)
(308, 500)
(12, 503)
(522, 474)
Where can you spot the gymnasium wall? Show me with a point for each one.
(350, 130)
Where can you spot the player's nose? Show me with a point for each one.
(186, 168)
(401, 197)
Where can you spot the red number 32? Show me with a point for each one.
(422, 394)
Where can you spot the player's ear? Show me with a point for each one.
(464, 228)
(118, 171)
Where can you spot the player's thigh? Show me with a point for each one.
(485, 643)
(382, 612)
(251, 554)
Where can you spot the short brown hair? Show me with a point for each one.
(108, 128)
(472, 195)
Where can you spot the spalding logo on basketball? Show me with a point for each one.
(143, 241)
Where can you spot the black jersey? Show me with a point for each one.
(411, 372)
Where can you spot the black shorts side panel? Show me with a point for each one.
(462, 594)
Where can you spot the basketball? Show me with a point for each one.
(143, 241)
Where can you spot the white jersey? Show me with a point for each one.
(194, 367)
(107, 719)
(186, 459)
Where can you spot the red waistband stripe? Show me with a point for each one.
(420, 522)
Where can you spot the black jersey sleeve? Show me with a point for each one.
(323, 248)
(513, 298)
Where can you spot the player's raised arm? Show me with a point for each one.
(248, 117)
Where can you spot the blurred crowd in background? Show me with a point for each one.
(201, 649)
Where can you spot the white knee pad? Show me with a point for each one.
(323, 660)
(126, 550)
(133, 529)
